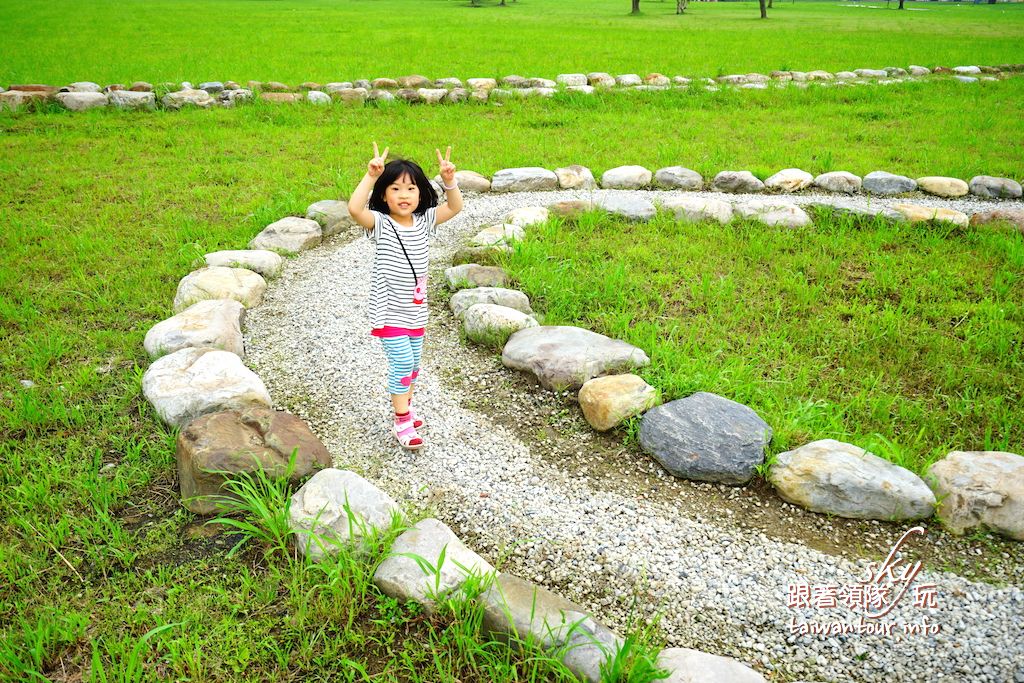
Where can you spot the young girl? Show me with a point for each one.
(402, 215)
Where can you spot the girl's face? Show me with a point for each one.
(402, 196)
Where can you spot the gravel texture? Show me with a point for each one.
(546, 515)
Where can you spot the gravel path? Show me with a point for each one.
(721, 585)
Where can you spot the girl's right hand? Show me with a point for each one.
(376, 165)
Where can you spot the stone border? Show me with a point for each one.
(194, 381)
(83, 95)
(966, 489)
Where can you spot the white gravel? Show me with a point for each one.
(722, 587)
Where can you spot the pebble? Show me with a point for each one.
(722, 587)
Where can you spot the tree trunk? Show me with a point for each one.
(636, 7)
(764, 10)
(681, 6)
(770, 3)
(901, 5)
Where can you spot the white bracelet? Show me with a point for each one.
(449, 188)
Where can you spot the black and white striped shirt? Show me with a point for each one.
(395, 299)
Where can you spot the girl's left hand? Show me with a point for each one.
(447, 167)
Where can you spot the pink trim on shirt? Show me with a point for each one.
(390, 331)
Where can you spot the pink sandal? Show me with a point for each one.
(417, 421)
(407, 437)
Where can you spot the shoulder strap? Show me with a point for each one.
(415, 278)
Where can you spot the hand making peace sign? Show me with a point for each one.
(376, 165)
(447, 167)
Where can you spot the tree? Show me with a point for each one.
(764, 10)
(901, 5)
(636, 7)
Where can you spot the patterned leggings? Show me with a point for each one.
(403, 362)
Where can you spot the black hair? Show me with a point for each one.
(394, 170)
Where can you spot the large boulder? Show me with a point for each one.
(526, 179)
(916, 213)
(220, 282)
(575, 177)
(215, 448)
(881, 182)
(678, 178)
(80, 101)
(789, 180)
(980, 489)
(773, 213)
(291, 235)
(474, 275)
(19, 99)
(843, 182)
(841, 479)
(400, 576)
(514, 607)
(185, 98)
(131, 99)
(462, 300)
(943, 187)
(706, 437)
(215, 324)
(608, 401)
(698, 209)
(626, 178)
(736, 181)
(336, 507)
(564, 357)
(628, 206)
(191, 382)
(995, 188)
(693, 666)
(332, 215)
(266, 263)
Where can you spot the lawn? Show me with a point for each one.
(328, 40)
(906, 341)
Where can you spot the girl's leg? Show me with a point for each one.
(400, 368)
(416, 344)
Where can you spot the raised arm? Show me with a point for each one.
(451, 190)
(357, 202)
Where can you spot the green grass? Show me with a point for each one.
(329, 40)
(907, 341)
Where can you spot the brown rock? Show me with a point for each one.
(309, 85)
(141, 86)
(238, 442)
(280, 97)
(409, 95)
(1014, 217)
(276, 86)
(16, 99)
(413, 82)
(46, 89)
(570, 208)
(607, 401)
(916, 213)
(385, 83)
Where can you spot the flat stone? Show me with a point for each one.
(706, 437)
(943, 187)
(881, 182)
(570, 208)
(266, 263)
(503, 233)
(678, 178)
(215, 448)
(131, 99)
(698, 209)
(527, 215)
(486, 321)
(184, 98)
(980, 489)
(628, 206)
(995, 188)
(529, 179)
(565, 357)
(693, 666)
(575, 177)
(290, 235)
(789, 180)
(81, 101)
(1014, 217)
(336, 507)
(773, 213)
(509, 298)
(220, 282)
(474, 275)
(841, 479)
(916, 213)
(331, 215)
(399, 576)
(191, 382)
(842, 182)
(608, 401)
(736, 181)
(215, 323)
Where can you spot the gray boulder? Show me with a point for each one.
(736, 181)
(706, 437)
(678, 178)
(698, 209)
(462, 300)
(980, 489)
(628, 206)
(995, 188)
(130, 99)
(528, 179)
(220, 282)
(626, 178)
(81, 101)
(291, 234)
(881, 182)
(267, 263)
(332, 215)
(474, 275)
(789, 180)
(215, 323)
(565, 357)
(841, 479)
(843, 182)
(773, 213)
(845, 207)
